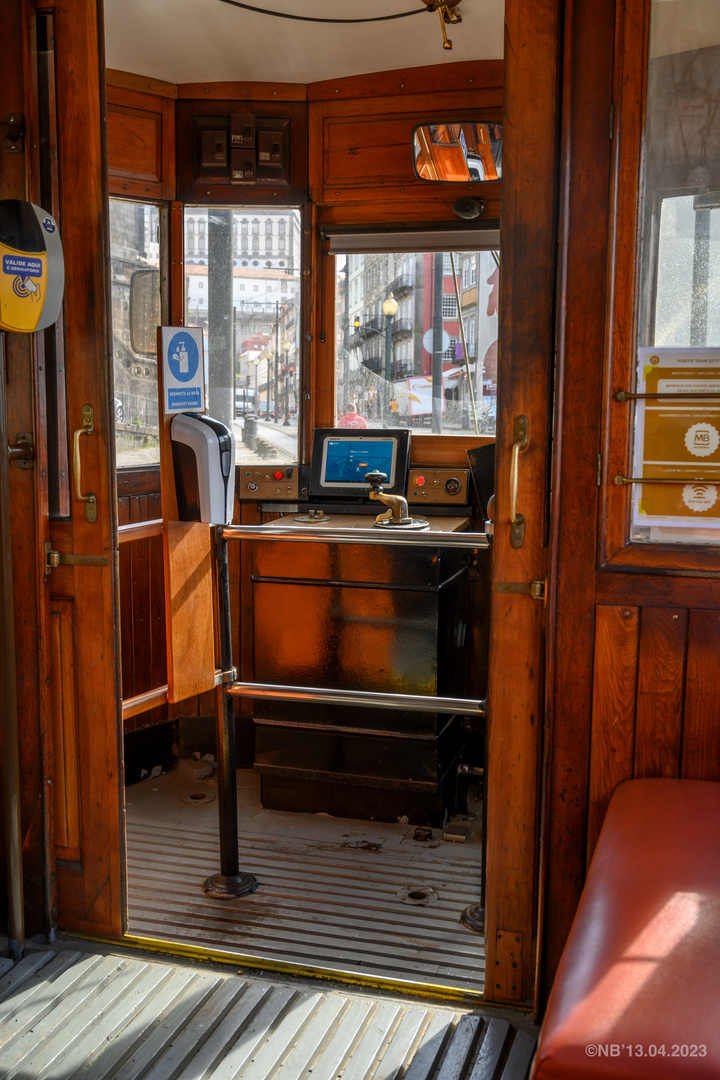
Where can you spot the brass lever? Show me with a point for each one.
(88, 420)
(517, 521)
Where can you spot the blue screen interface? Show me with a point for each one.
(347, 460)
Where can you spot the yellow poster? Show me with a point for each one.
(678, 438)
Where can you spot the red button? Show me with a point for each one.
(420, 480)
(278, 474)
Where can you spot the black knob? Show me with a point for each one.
(375, 478)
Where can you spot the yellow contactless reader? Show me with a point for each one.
(32, 272)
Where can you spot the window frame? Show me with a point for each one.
(427, 449)
(629, 221)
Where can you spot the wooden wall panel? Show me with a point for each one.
(701, 728)
(656, 699)
(66, 771)
(360, 136)
(661, 671)
(614, 700)
(142, 601)
(141, 144)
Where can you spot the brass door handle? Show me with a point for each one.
(88, 426)
(517, 521)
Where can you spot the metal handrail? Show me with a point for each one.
(388, 537)
(362, 698)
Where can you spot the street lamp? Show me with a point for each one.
(286, 347)
(389, 307)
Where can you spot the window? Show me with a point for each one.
(411, 358)
(678, 349)
(134, 245)
(247, 344)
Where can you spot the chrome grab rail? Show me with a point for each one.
(388, 537)
(363, 698)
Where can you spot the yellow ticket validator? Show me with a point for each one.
(32, 272)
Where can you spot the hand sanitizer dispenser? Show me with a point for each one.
(204, 464)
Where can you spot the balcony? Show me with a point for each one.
(402, 326)
(402, 284)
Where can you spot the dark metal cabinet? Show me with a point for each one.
(365, 618)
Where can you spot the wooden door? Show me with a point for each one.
(516, 677)
(80, 600)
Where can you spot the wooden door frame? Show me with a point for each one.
(516, 712)
(89, 873)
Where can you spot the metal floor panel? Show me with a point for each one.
(80, 1015)
(324, 901)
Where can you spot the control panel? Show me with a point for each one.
(432, 486)
(268, 482)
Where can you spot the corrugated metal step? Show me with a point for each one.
(69, 1016)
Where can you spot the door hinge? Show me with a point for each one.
(599, 470)
(59, 558)
(535, 589)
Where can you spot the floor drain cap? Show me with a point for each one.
(198, 798)
(419, 895)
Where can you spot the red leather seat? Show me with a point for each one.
(637, 991)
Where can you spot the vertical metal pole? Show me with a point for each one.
(437, 356)
(231, 881)
(388, 367)
(221, 363)
(9, 719)
(276, 403)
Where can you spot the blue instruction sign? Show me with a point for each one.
(183, 369)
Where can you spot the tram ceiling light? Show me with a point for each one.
(446, 8)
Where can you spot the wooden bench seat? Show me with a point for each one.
(637, 991)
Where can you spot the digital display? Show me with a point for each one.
(340, 460)
(345, 461)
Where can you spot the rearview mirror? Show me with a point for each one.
(465, 152)
(144, 311)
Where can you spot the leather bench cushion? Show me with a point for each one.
(641, 967)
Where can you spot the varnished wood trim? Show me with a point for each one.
(141, 480)
(470, 74)
(612, 748)
(126, 80)
(242, 91)
(701, 727)
(658, 590)
(661, 678)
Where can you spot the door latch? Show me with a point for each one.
(59, 558)
(22, 451)
(535, 589)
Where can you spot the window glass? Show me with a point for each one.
(677, 431)
(248, 306)
(134, 246)
(400, 355)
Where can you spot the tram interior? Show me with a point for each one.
(362, 823)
